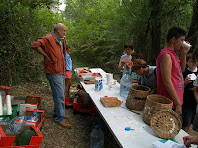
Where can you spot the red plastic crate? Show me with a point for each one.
(68, 102)
(5, 89)
(78, 105)
(41, 117)
(8, 140)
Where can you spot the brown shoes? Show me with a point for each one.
(65, 124)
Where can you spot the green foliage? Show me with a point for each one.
(22, 23)
(96, 31)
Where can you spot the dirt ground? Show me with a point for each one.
(55, 136)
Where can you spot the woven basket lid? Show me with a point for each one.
(166, 124)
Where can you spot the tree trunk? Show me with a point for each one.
(193, 30)
(155, 24)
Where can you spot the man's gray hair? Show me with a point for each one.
(58, 26)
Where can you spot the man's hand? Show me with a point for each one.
(190, 140)
(135, 84)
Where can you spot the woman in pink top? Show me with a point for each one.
(169, 68)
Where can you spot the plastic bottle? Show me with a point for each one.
(125, 84)
(15, 125)
(97, 138)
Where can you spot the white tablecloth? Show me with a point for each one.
(117, 118)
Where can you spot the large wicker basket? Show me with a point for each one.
(137, 97)
(166, 124)
(155, 103)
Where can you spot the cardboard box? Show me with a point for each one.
(17, 100)
(8, 140)
(34, 100)
(41, 118)
(24, 106)
(29, 99)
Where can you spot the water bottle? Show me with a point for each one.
(125, 84)
(97, 138)
(15, 125)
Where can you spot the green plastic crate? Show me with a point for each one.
(14, 113)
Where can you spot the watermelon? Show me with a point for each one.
(24, 137)
(129, 64)
(126, 61)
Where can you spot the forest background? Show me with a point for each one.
(96, 31)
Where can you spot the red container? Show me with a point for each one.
(41, 118)
(5, 89)
(79, 106)
(9, 140)
(68, 101)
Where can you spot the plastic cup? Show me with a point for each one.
(186, 44)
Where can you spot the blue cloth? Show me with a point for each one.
(57, 83)
(68, 61)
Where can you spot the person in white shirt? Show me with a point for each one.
(125, 59)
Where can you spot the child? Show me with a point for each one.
(136, 55)
(68, 72)
(136, 77)
(148, 74)
(169, 68)
(195, 122)
(126, 58)
(189, 102)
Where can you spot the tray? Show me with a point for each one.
(78, 70)
(110, 101)
(89, 81)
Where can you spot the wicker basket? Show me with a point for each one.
(137, 97)
(166, 124)
(155, 103)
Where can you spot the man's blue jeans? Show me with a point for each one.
(57, 83)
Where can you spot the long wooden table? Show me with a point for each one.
(117, 118)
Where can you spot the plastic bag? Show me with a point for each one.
(15, 125)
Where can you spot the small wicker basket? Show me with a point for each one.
(155, 103)
(166, 124)
(137, 97)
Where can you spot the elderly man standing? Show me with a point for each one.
(51, 48)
